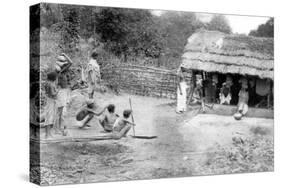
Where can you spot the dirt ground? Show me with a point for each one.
(187, 144)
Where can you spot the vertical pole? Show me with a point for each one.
(132, 116)
(268, 96)
(193, 85)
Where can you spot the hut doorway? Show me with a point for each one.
(260, 90)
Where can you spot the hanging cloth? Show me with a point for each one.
(262, 87)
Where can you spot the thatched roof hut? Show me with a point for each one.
(213, 51)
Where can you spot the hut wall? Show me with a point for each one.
(142, 80)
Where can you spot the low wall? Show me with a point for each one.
(142, 80)
(229, 110)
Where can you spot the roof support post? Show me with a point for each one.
(193, 85)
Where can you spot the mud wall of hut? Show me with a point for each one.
(142, 80)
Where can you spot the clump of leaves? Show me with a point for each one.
(244, 155)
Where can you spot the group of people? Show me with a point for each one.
(207, 90)
(58, 90)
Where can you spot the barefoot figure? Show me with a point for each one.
(243, 98)
(181, 94)
(92, 74)
(62, 65)
(109, 119)
(122, 125)
(87, 113)
(50, 109)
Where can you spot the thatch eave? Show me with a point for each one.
(248, 62)
(226, 69)
(213, 51)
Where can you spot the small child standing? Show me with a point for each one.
(109, 119)
(122, 125)
(50, 109)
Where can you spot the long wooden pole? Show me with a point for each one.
(132, 116)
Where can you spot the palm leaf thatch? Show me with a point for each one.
(213, 51)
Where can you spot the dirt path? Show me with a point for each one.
(182, 145)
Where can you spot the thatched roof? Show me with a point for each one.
(213, 51)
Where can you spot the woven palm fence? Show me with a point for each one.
(142, 80)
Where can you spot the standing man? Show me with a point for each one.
(182, 88)
(92, 74)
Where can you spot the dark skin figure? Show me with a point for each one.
(91, 113)
(91, 95)
(60, 109)
(53, 92)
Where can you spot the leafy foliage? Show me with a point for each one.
(129, 32)
(245, 155)
(124, 33)
(219, 23)
(264, 30)
(176, 27)
(50, 14)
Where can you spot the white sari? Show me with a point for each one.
(181, 97)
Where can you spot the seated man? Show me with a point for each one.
(109, 119)
(243, 99)
(86, 114)
(225, 94)
(122, 125)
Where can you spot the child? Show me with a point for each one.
(122, 125)
(86, 114)
(109, 119)
(35, 119)
(51, 107)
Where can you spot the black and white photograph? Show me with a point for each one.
(120, 94)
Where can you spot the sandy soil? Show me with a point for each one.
(184, 143)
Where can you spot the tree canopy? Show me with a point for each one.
(126, 32)
(129, 31)
(219, 23)
(264, 30)
(176, 27)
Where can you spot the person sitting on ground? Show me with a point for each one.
(109, 119)
(87, 113)
(243, 99)
(122, 125)
(198, 92)
(225, 94)
(92, 74)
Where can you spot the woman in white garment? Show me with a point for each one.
(181, 93)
